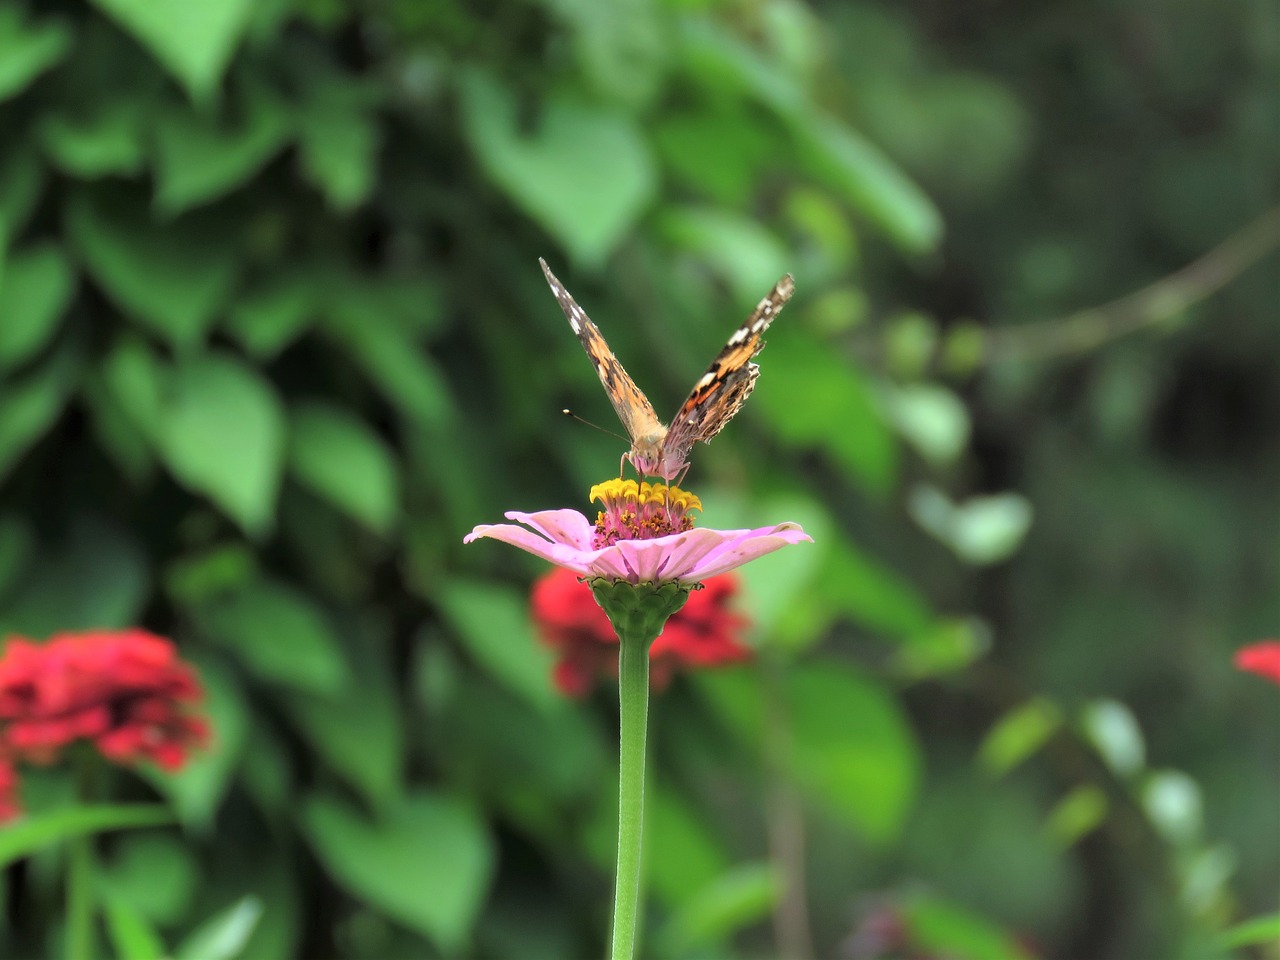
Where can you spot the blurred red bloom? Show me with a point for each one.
(1261, 658)
(125, 691)
(704, 633)
(9, 807)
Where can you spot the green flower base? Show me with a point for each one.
(639, 611)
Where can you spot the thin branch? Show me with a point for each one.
(1155, 304)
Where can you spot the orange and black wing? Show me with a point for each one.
(633, 407)
(724, 388)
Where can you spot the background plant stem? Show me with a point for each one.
(80, 876)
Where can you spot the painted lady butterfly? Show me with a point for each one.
(658, 450)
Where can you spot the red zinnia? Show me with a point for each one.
(703, 633)
(9, 807)
(124, 691)
(1261, 658)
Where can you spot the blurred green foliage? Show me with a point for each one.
(273, 338)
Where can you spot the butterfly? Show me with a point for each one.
(656, 449)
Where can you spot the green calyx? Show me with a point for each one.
(639, 610)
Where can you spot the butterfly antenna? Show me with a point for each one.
(573, 416)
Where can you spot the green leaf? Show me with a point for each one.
(32, 404)
(1078, 813)
(737, 899)
(1257, 931)
(17, 547)
(981, 530)
(224, 436)
(132, 936)
(868, 181)
(192, 39)
(204, 575)
(137, 381)
(849, 164)
(947, 646)
(854, 584)
(745, 253)
(224, 935)
(107, 140)
(405, 374)
(931, 418)
(278, 634)
(621, 47)
(585, 172)
(859, 439)
(270, 317)
(428, 863)
(493, 623)
(199, 159)
(27, 50)
(337, 151)
(1174, 803)
(719, 155)
(172, 277)
(850, 745)
(95, 577)
(358, 734)
(197, 790)
(1114, 732)
(853, 747)
(21, 187)
(35, 832)
(1018, 734)
(335, 455)
(939, 927)
(155, 874)
(683, 855)
(35, 289)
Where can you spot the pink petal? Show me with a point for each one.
(568, 527)
(689, 549)
(750, 545)
(557, 553)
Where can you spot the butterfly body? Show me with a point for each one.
(656, 449)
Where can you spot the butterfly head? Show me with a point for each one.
(649, 455)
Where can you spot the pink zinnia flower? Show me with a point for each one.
(644, 534)
(1262, 658)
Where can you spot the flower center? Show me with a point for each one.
(640, 511)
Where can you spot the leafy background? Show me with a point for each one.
(273, 338)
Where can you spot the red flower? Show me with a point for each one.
(1261, 658)
(125, 691)
(9, 807)
(704, 633)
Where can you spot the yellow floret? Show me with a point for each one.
(643, 494)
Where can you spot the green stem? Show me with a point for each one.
(80, 877)
(633, 702)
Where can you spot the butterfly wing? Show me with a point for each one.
(724, 388)
(633, 407)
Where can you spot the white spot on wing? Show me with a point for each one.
(738, 336)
